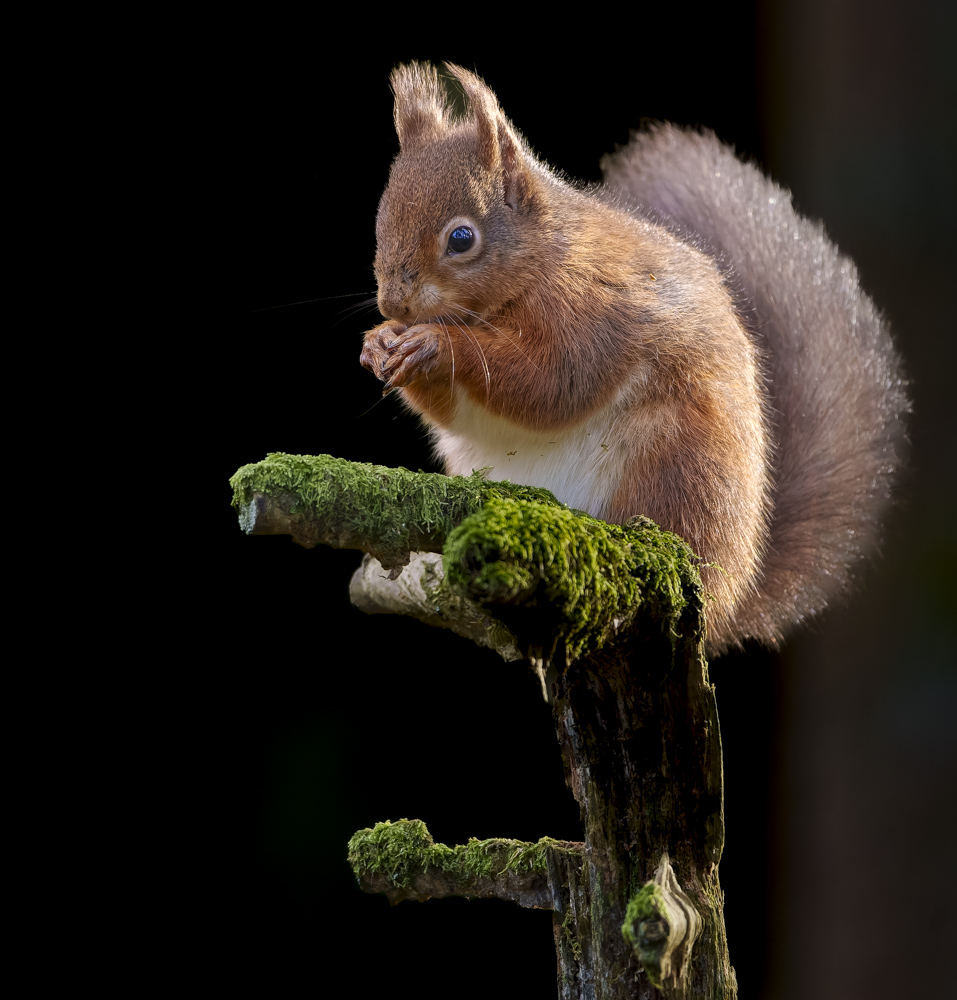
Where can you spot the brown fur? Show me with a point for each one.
(577, 320)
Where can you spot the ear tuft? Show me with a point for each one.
(421, 110)
(499, 147)
(485, 114)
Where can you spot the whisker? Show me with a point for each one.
(367, 411)
(448, 337)
(439, 321)
(370, 305)
(511, 340)
(488, 375)
(304, 302)
(367, 304)
(433, 404)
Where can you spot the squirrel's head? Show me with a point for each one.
(463, 205)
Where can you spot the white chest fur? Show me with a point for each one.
(582, 465)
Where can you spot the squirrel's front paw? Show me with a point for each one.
(396, 354)
(377, 347)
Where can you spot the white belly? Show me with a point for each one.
(582, 465)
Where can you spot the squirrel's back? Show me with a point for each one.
(834, 385)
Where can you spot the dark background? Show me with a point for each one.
(318, 721)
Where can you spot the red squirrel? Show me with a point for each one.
(677, 343)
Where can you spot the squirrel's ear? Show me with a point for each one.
(420, 106)
(499, 147)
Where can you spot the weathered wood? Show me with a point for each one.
(638, 729)
(419, 593)
(402, 861)
(613, 616)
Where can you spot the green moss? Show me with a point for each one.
(645, 929)
(400, 850)
(592, 577)
(572, 939)
(405, 849)
(504, 545)
(375, 501)
(646, 904)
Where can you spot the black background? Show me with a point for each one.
(316, 720)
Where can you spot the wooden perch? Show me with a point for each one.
(616, 612)
(402, 861)
(388, 513)
(564, 584)
(419, 593)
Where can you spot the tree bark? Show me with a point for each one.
(613, 617)
(638, 730)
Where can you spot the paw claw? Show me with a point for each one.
(397, 358)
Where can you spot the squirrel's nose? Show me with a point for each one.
(394, 306)
(395, 295)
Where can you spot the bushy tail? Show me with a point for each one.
(836, 393)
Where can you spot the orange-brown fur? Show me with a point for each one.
(574, 324)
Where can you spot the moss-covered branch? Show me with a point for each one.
(402, 861)
(576, 582)
(386, 512)
(563, 582)
(636, 720)
(420, 592)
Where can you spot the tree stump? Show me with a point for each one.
(611, 618)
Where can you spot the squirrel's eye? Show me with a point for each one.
(461, 239)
